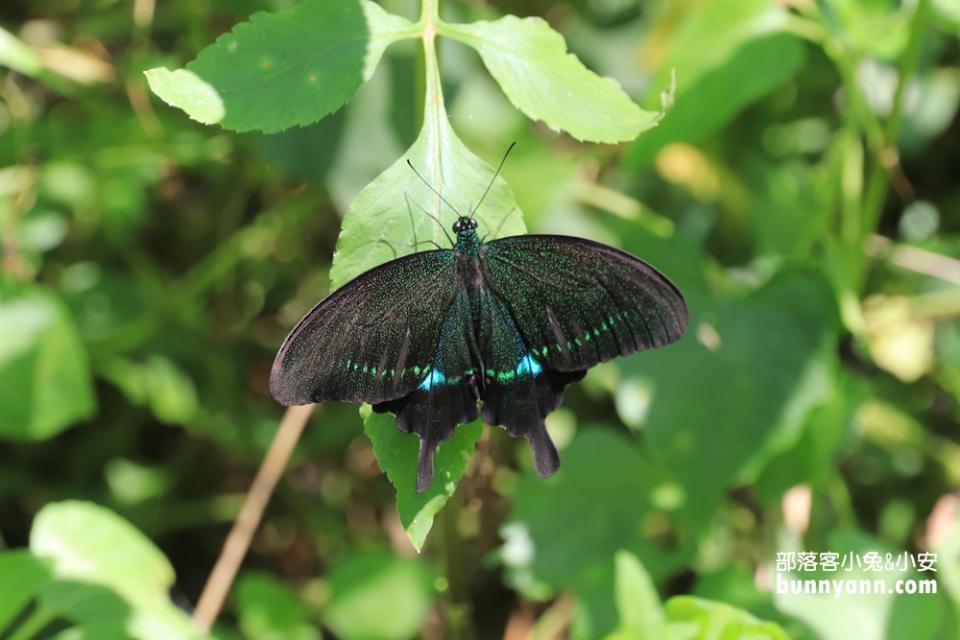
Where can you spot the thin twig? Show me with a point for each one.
(915, 259)
(238, 541)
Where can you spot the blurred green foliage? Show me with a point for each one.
(801, 190)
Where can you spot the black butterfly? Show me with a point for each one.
(507, 323)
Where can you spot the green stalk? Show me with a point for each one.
(33, 625)
(877, 184)
(434, 110)
(458, 601)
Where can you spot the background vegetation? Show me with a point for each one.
(802, 191)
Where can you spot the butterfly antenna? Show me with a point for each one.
(430, 186)
(413, 223)
(389, 245)
(493, 179)
(431, 216)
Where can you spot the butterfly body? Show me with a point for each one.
(491, 329)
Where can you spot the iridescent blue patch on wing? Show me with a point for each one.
(435, 378)
(529, 365)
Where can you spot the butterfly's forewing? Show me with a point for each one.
(372, 339)
(577, 302)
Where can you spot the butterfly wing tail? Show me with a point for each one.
(432, 414)
(546, 460)
(521, 408)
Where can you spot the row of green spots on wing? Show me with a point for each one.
(350, 365)
(501, 376)
(416, 370)
(588, 335)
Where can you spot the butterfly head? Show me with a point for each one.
(464, 226)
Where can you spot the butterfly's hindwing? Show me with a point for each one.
(577, 303)
(519, 392)
(372, 339)
(447, 394)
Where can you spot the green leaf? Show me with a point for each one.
(85, 542)
(946, 13)
(396, 454)
(45, 383)
(21, 578)
(641, 615)
(753, 71)
(382, 223)
(872, 28)
(85, 604)
(284, 69)
(813, 456)
(92, 553)
(103, 631)
(614, 494)
(735, 584)
(532, 65)
(187, 91)
(379, 226)
(748, 58)
(719, 27)
(157, 383)
(693, 618)
(268, 610)
(16, 55)
(377, 596)
(785, 330)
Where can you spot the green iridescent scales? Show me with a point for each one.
(496, 329)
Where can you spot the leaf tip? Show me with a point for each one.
(185, 90)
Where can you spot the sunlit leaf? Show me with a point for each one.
(532, 65)
(380, 225)
(92, 553)
(187, 91)
(874, 28)
(748, 58)
(396, 454)
(83, 541)
(638, 603)
(45, 383)
(284, 69)
(693, 618)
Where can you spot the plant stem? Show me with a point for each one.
(238, 541)
(33, 625)
(434, 111)
(458, 599)
(887, 160)
(458, 603)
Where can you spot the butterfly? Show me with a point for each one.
(493, 329)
